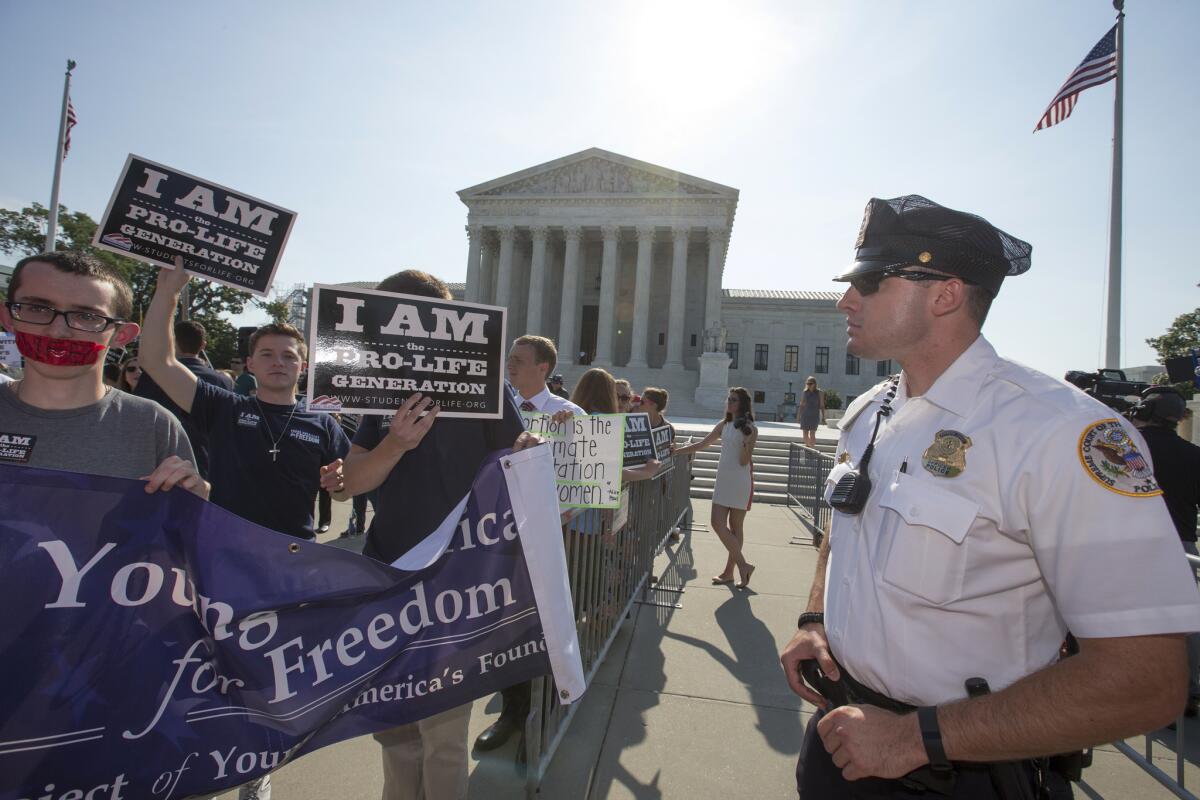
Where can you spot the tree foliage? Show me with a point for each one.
(1180, 338)
(24, 233)
(833, 400)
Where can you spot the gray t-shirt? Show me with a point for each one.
(121, 436)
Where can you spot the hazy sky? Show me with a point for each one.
(366, 118)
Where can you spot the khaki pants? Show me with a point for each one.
(427, 760)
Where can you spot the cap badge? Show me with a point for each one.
(925, 257)
(947, 456)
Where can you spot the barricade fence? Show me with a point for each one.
(1177, 783)
(610, 563)
(807, 470)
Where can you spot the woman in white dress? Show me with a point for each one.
(733, 491)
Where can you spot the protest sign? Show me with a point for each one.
(639, 446)
(369, 351)
(587, 454)
(9, 354)
(160, 644)
(157, 213)
(664, 437)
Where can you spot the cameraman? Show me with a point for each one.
(1177, 471)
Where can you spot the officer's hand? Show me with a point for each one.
(865, 741)
(408, 426)
(808, 643)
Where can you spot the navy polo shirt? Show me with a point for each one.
(428, 481)
(278, 494)
(147, 388)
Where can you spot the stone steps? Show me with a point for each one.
(770, 461)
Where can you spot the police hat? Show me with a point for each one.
(912, 230)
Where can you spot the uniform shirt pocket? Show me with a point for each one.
(928, 528)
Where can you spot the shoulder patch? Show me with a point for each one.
(1112, 459)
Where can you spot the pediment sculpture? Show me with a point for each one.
(597, 176)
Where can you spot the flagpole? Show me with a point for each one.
(1112, 345)
(52, 225)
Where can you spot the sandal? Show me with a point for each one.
(721, 580)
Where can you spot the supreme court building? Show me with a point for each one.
(620, 262)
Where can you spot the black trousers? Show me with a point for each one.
(516, 701)
(818, 778)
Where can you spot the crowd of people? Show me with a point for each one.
(1048, 490)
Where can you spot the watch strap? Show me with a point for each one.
(931, 736)
(811, 616)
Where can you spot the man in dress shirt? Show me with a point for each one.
(530, 360)
(1003, 509)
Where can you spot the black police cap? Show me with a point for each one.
(913, 230)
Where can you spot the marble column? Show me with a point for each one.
(537, 280)
(504, 274)
(474, 243)
(716, 255)
(608, 297)
(641, 295)
(678, 298)
(568, 351)
(487, 271)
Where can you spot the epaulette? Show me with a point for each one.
(862, 401)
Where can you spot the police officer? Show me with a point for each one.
(982, 510)
(1177, 470)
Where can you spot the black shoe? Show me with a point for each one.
(497, 734)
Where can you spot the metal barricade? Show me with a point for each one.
(807, 470)
(1145, 759)
(610, 560)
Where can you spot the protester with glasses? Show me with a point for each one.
(811, 412)
(67, 309)
(981, 510)
(733, 491)
(625, 396)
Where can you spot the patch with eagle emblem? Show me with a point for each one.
(1110, 456)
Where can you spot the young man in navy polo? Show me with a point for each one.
(268, 457)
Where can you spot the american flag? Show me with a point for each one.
(70, 124)
(1099, 66)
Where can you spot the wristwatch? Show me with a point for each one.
(810, 616)
(931, 736)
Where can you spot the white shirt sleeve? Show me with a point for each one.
(1108, 553)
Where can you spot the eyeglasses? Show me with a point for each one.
(133, 368)
(36, 314)
(869, 283)
(624, 397)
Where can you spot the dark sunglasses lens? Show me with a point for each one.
(867, 284)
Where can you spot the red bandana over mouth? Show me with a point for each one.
(59, 352)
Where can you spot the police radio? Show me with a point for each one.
(850, 493)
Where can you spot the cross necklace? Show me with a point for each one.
(274, 451)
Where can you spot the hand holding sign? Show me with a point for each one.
(173, 279)
(411, 422)
(332, 478)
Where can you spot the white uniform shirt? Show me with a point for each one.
(549, 403)
(1010, 530)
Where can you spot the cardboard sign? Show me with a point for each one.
(157, 213)
(9, 354)
(588, 457)
(663, 437)
(639, 447)
(369, 351)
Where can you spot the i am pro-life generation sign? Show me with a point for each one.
(157, 213)
(370, 351)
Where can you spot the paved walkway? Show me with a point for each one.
(690, 703)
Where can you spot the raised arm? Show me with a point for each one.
(713, 435)
(157, 350)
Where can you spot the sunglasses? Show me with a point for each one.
(133, 369)
(624, 397)
(868, 284)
